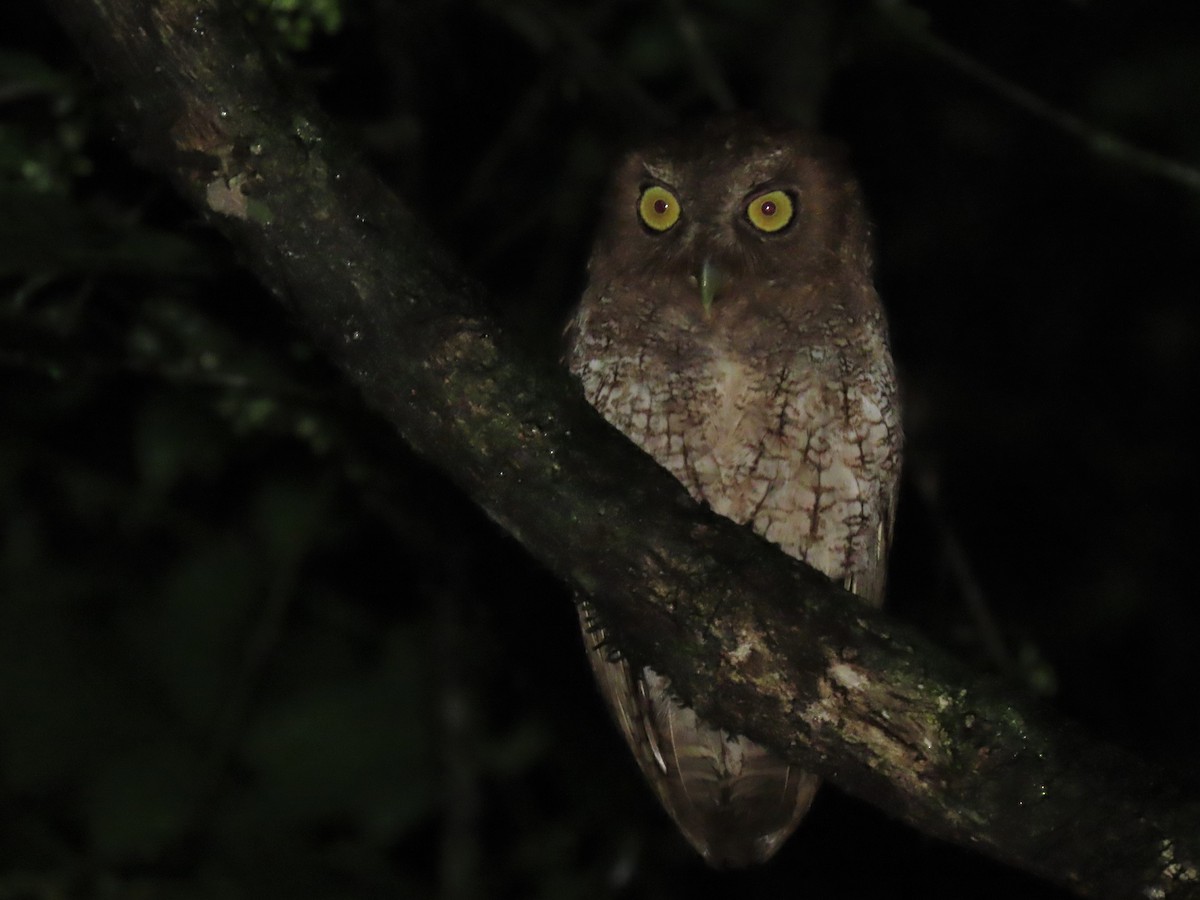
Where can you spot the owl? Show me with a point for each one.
(731, 329)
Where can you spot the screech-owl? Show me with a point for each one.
(731, 329)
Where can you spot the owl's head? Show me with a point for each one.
(734, 216)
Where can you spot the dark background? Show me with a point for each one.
(250, 646)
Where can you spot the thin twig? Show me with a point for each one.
(231, 720)
(548, 30)
(460, 850)
(959, 563)
(1102, 143)
(704, 66)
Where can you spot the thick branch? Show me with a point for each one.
(757, 641)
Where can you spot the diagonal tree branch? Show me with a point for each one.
(757, 641)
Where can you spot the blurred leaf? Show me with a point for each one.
(176, 440)
(191, 637)
(297, 21)
(55, 235)
(22, 74)
(653, 49)
(357, 748)
(142, 801)
(518, 750)
(64, 710)
(287, 516)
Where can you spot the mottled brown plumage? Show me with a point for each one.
(730, 328)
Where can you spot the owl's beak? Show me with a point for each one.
(710, 280)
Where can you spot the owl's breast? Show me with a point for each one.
(803, 448)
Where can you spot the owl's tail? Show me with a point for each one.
(734, 801)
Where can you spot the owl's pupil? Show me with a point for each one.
(661, 206)
(768, 207)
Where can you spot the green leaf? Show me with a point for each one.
(359, 748)
(143, 800)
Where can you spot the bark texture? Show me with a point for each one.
(756, 641)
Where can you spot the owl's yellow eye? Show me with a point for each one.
(658, 208)
(770, 211)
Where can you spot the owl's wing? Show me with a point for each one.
(870, 581)
(733, 800)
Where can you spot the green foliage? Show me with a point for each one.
(297, 22)
(43, 159)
